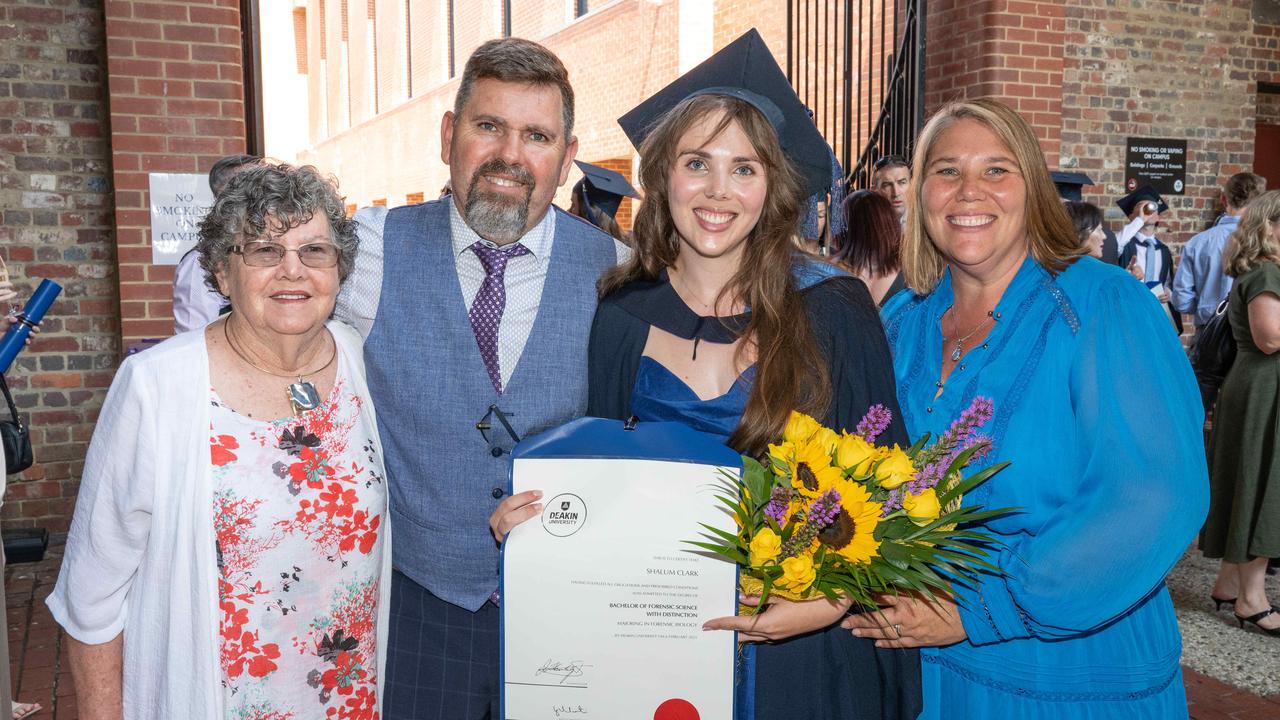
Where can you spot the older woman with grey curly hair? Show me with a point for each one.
(229, 554)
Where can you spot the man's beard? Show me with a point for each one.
(496, 217)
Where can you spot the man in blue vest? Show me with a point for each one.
(475, 311)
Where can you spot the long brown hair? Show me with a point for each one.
(790, 372)
(872, 237)
(1051, 237)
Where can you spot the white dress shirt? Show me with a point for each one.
(524, 277)
(194, 303)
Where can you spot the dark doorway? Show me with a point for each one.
(1266, 154)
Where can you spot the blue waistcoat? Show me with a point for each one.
(431, 388)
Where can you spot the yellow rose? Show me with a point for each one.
(855, 454)
(780, 455)
(826, 439)
(765, 546)
(797, 573)
(895, 469)
(922, 509)
(800, 428)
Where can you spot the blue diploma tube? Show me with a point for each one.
(16, 337)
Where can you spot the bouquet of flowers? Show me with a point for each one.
(834, 514)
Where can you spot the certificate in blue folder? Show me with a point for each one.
(602, 600)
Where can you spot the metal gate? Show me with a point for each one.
(859, 66)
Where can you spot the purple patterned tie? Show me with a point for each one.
(491, 300)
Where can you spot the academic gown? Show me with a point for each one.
(828, 674)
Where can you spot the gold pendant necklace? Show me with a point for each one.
(301, 394)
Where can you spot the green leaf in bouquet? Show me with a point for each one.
(729, 554)
(964, 486)
(728, 537)
(919, 445)
(894, 554)
(961, 460)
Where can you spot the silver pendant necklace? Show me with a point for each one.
(301, 394)
(958, 351)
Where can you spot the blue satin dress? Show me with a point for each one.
(1097, 409)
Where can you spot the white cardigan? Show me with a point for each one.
(140, 556)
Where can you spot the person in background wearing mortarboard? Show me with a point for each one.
(1069, 185)
(597, 197)
(195, 304)
(1142, 252)
(728, 156)
(822, 225)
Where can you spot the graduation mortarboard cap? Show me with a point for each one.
(604, 188)
(1069, 184)
(1146, 192)
(745, 69)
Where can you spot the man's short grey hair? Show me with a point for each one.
(516, 60)
(226, 168)
(266, 200)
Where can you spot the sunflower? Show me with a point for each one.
(810, 468)
(852, 533)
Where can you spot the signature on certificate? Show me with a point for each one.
(563, 670)
(569, 710)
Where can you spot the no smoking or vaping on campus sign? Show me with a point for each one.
(1157, 162)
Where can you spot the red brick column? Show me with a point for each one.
(177, 105)
(1007, 49)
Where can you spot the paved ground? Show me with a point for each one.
(1230, 674)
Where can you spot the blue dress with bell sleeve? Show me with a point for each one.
(1098, 412)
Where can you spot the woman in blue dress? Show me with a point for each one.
(673, 340)
(1095, 407)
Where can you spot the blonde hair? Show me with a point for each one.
(1051, 237)
(1254, 242)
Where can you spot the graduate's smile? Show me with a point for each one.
(717, 189)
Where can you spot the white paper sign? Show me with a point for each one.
(179, 201)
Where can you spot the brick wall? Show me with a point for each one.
(1011, 50)
(1163, 70)
(1269, 108)
(55, 193)
(397, 154)
(176, 106)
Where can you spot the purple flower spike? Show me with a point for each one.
(824, 509)
(966, 426)
(779, 501)
(874, 423)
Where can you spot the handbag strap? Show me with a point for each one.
(8, 398)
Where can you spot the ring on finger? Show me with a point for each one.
(897, 629)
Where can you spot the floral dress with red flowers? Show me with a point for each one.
(299, 510)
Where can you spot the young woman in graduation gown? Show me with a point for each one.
(717, 323)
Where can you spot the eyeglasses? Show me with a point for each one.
(270, 254)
